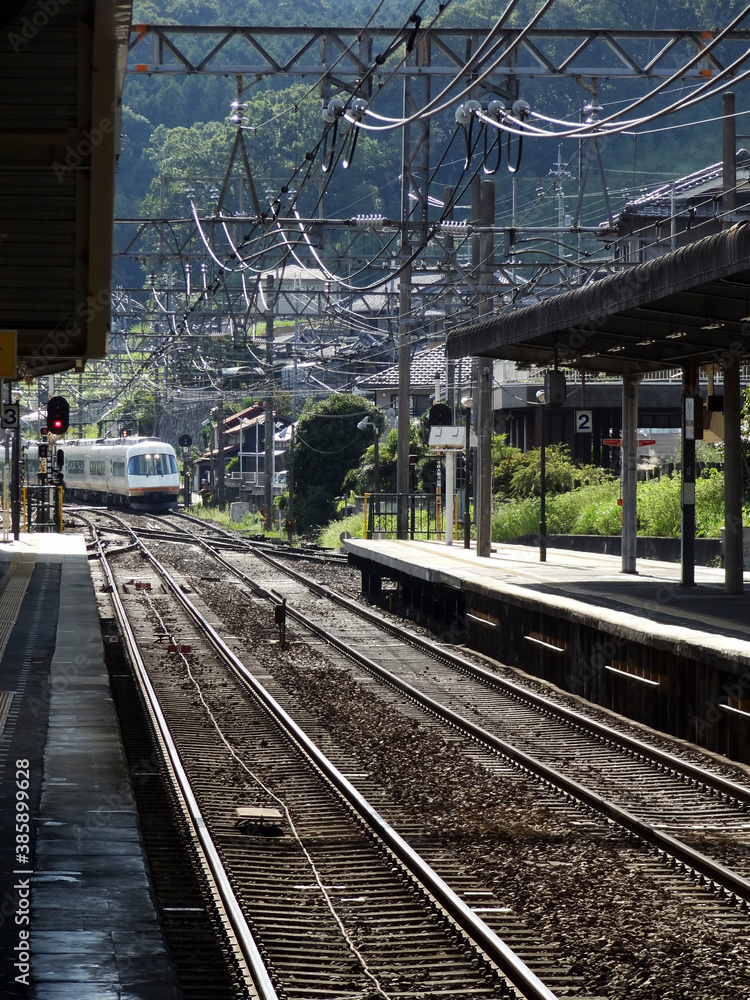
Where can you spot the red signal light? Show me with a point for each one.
(58, 414)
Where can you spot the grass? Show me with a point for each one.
(251, 522)
(589, 510)
(330, 536)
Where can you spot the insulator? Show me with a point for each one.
(462, 116)
(359, 105)
(454, 228)
(495, 108)
(521, 108)
(336, 106)
(373, 223)
(471, 107)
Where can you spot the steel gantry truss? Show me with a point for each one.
(341, 56)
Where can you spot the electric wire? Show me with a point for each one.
(430, 110)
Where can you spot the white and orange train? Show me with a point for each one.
(139, 472)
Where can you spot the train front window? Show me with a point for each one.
(152, 465)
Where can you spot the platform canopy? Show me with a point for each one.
(689, 305)
(62, 67)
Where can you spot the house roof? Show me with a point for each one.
(243, 416)
(704, 182)
(425, 365)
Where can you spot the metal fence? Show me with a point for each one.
(425, 515)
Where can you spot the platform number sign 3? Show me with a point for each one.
(10, 416)
(583, 421)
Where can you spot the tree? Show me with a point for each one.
(361, 478)
(327, 445)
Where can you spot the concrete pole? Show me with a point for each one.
(629, 465)
(467, 482)
(485, 414)
(221, 494)
(268, 424)
(729, 155)
(733, 561)
(484, 492)
(687, 531)
(290, 457)
(450, 466)
(404, 401)
(543, 482)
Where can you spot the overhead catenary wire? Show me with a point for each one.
(274, 223)
(430, 109)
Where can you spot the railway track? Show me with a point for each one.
(339, 902)
(696, 819)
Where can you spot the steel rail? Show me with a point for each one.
(715, 782)
(719, 875)
(258, 972)
(480, 935)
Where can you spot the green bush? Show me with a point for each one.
(658, 506)
(590, 510)
(709, 504)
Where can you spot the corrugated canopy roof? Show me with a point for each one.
(62, 67)
(690, 304)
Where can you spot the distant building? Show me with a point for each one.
(425, 365)
(646, 229)
(244, 439)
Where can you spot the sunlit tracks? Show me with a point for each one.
(336, 902)
(694, 817)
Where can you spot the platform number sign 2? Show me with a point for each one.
(583, 421)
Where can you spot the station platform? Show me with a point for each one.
(78, 919)
(672, 657)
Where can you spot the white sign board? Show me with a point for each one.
(450, 438)
(10, 415)
(584, 421)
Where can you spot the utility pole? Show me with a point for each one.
(485, 415)
(733, 484)
(690, 400)
(404, 399)
(290, 461)
(729, 154)
(415, 167)
(220, 463)
(268, 423)
(629, 470)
